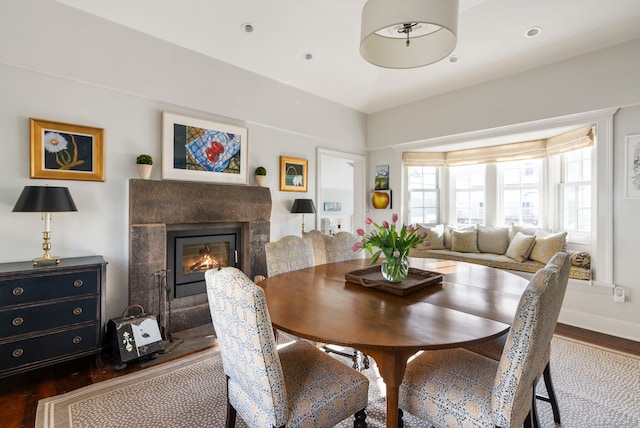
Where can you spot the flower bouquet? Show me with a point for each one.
(395, 242)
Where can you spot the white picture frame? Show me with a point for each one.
(203, 150)
(632, 166)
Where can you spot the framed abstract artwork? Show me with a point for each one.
(293, 174)
(63, 151)
(632, 166)
(202, 150)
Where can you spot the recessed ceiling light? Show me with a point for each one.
(533, 32)
(453, 58)
(308, 56)
(246, 27)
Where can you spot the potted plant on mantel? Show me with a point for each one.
(144, 163)
(261, 176)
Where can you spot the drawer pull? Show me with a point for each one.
(77, 339)
(77, 311)
(78, 283)
(17, 321)
(18, 291)
(17, 352)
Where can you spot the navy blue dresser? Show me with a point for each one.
(50, 313)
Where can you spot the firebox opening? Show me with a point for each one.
(190, 253)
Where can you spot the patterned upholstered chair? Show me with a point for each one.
(319, 249)
(330, 249)
(297, 385)
(458, 387)
(339, 247)
(288, 254)
(493, 349)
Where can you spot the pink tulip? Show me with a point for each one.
(385, 224)
(360, 232)
(357, 246)
(394, 218)
(368, 220)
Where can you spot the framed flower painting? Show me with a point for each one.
(202, 150)
(64, 151)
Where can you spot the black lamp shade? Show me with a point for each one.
(45, 199)
(303, 206)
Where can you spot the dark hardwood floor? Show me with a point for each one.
(19, 394)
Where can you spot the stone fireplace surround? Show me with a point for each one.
(158, 206)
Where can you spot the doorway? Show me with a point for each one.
(340, 192)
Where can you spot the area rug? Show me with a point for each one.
(595, 387)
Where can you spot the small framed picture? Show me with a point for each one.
(632, 166)
(293, 174)
(63, 151)
(203, 150)
(382, 177)
(381, 199)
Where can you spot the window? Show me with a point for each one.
(575, 190)
(519, 188)
(468, 194)
(423, 186)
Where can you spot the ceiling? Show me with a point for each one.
(491, 41)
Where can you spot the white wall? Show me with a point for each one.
(59, 64)
(600, 80)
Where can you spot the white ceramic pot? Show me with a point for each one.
(144, 171)
(261, 180)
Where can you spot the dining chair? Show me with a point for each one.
(319, 250)
(296, 385)
(493, 348)
(339, 247)
(460, 387)
(288, 254)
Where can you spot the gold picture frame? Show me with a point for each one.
(63, 151)
(293, 174)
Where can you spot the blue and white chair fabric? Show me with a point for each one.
(288, 254)
(493, 348)
(458, 387)
(297, 385)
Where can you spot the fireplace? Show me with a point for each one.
(158, 208)
(190, 253)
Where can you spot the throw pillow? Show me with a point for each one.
(447, 233)
(493, 239)
(527, 230)
(434, 237)
(520, 247)
(546, 245)
(464, 241)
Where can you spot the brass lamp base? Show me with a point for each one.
(46, 259)
(46, 246)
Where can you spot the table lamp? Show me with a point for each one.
(303, 206)
(46, 200)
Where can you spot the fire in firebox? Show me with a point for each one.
(205, 262)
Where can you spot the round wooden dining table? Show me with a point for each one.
(472, 304)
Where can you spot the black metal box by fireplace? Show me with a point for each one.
(190, 253)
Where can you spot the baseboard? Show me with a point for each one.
(612, 327)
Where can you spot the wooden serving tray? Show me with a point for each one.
(417, 279)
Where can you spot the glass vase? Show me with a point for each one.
(395, 269)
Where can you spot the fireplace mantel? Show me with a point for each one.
(156, 206)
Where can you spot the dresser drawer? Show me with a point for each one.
(36, 288)
(33, 318)
(19, 353)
